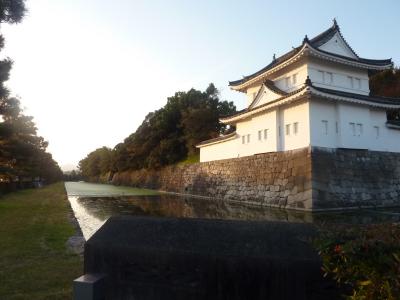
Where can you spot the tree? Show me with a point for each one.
(96, 163)
(22, 151)
(11, 11)
(387, 84)
(166, 136)
(171, 133)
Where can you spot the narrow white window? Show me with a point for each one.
(243, 139)
(359, 129)
(376, 131)
(259, 135)
(321, 76)
(357, 83)
(337, 127)
(294, 79)
(248, 138)
(329, 78)
(295, 128)
(287, 81)
(265, 134)
(287, 129)
(353, 128)
(325, 127)
(351, 82)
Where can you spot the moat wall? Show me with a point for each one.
(280, 179)
(304, 179)
(343, 178)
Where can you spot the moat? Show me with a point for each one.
(93, 204)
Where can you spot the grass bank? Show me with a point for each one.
(34, 260)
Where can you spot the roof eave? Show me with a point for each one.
(353, 99)
(295, 95)
(240, 86)
(228, 137)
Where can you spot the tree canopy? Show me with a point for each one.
(22, 152)
(167, 135)
(387, 83)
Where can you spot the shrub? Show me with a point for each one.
(366, 259)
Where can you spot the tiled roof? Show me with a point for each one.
(218, 139)
(271, 85)
(315, 43)
(246, 110)
(374, 99)
(393, 124)
(375, 62)
(274, 63)
(371, 99)
(325, 36)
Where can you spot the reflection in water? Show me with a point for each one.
(92, 212)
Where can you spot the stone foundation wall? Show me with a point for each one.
(280, 179)
(343, 178)
(304, 179)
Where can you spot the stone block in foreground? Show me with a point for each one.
(162, 258)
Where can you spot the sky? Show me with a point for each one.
(90, 71)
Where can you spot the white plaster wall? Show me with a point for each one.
(311, 130)
(301, 75)
(356, 114)
(271, 120)
(252, 126)
(388, 138)
(323, 113)
(338, 46)
(251, 92)
(224, 150)
(340, 75)
(296, 113)
(344, 137)
(382, 142)
(266, 96)
(393, 139)
(279, 79)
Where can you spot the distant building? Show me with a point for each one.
(315, 95)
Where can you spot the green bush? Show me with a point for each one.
(366, 259)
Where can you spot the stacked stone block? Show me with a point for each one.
(304, 179)
(278, 179)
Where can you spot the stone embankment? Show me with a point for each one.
(281, 179)
(355, 178)
(304, 179)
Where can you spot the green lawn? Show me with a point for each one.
(34, 260)
(190, 160)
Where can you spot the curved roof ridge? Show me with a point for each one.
(377, 62)
(315, 42)
(274, 63)
(325, 36)
(271, 86)
(249, 109)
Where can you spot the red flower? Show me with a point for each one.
(337, 249)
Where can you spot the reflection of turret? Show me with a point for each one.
(93, 212)
(167, 205)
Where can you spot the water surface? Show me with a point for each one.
(93, 204)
